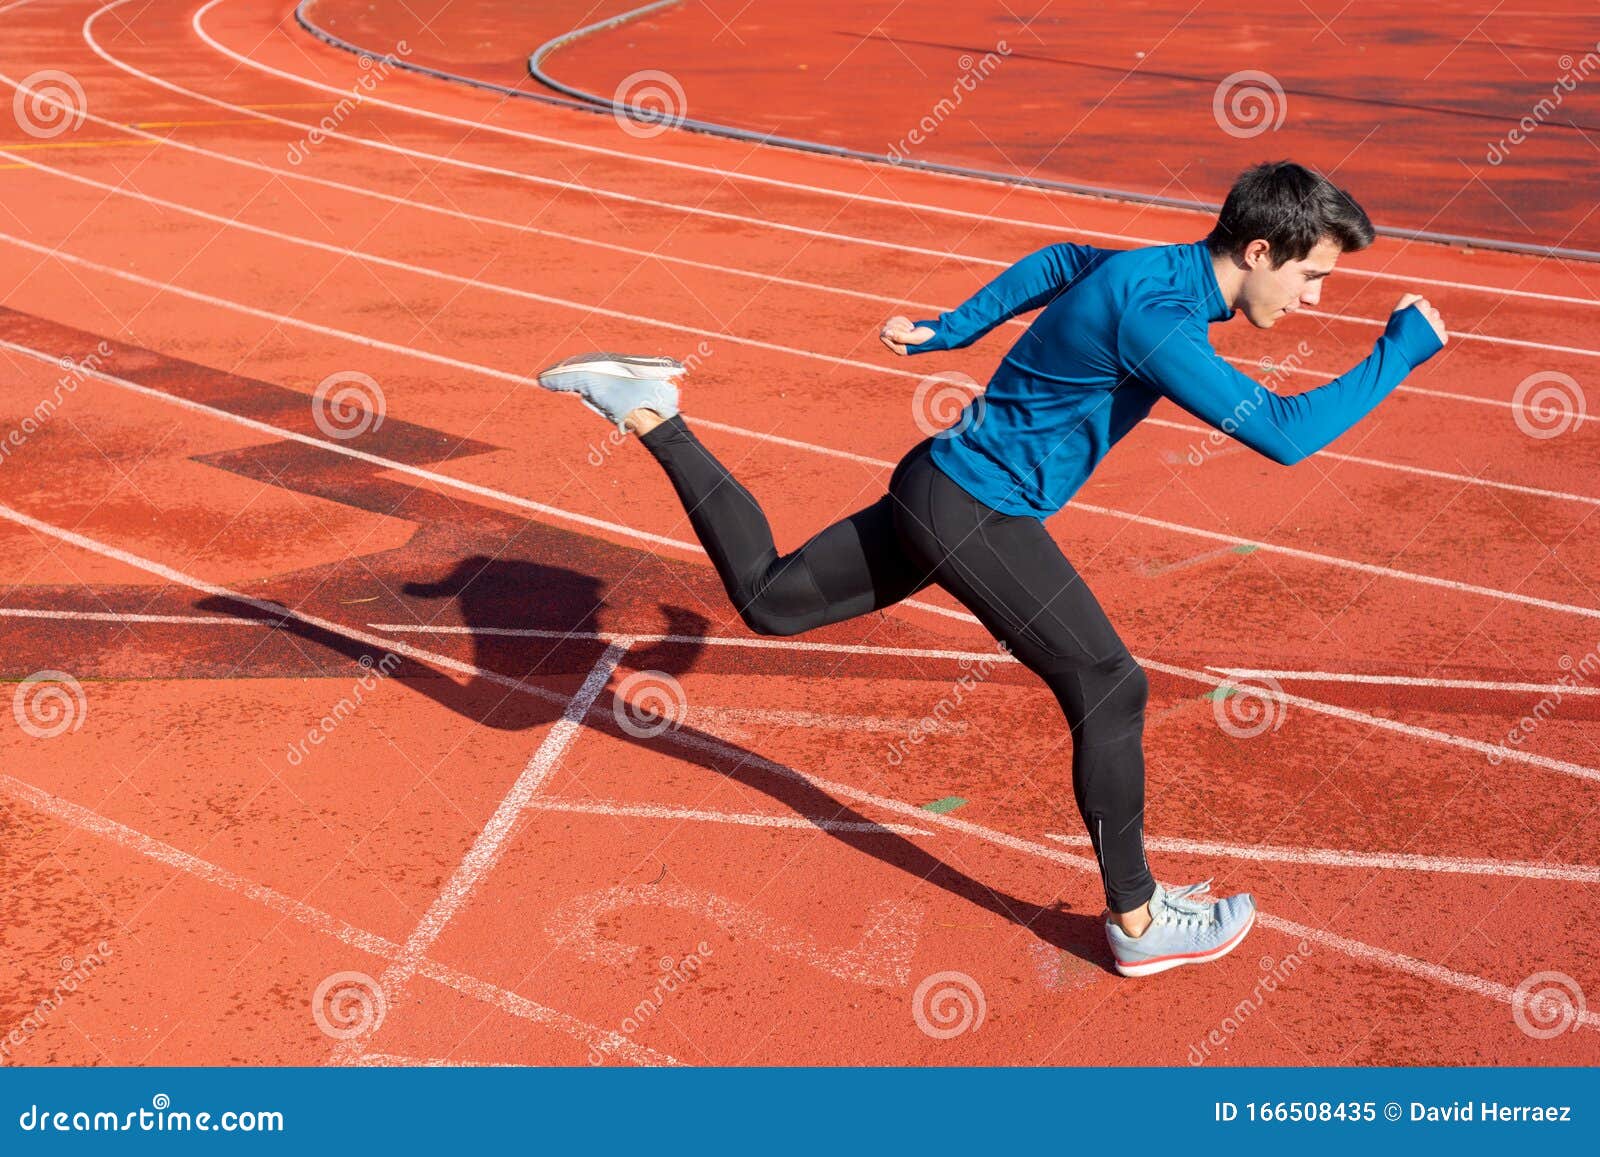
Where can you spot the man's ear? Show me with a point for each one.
(1257, 254)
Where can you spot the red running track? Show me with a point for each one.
(480, 858)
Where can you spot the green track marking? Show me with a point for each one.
(946, 805)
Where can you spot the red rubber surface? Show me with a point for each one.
(228, 881)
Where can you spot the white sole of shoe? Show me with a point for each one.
(1178, 960)
(659, 369)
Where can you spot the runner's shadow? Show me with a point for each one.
(523, 681)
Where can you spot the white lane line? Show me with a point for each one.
(197, 22)
(1335, 858)
(1383, 957)
(1501, 752)
(1406, 681)
(120, 834)
(742, 819)
(785, 644)
(712, 718)
(755, 222)
(125, 617)
(428, 271)
(486, 850)
(1209, 432)
(474, 282)
(1178, 528)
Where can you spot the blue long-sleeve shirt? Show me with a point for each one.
(1120, 330)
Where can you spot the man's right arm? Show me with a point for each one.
(1164, 344)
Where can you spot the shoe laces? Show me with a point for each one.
(1183, 909)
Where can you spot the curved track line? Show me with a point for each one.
(732, 132)
(724, 174)
(1406, 681)
(1502, 753)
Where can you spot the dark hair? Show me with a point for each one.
(1290, 207)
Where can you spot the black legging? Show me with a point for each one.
(1006, 569)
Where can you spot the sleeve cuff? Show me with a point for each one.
(934, 343)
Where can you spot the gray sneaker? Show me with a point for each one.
(614, 385)
(1184, 929)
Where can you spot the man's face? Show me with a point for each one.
(1270, 295)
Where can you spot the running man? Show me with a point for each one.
(1120, 329)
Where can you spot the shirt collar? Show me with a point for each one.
(1205, 275)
